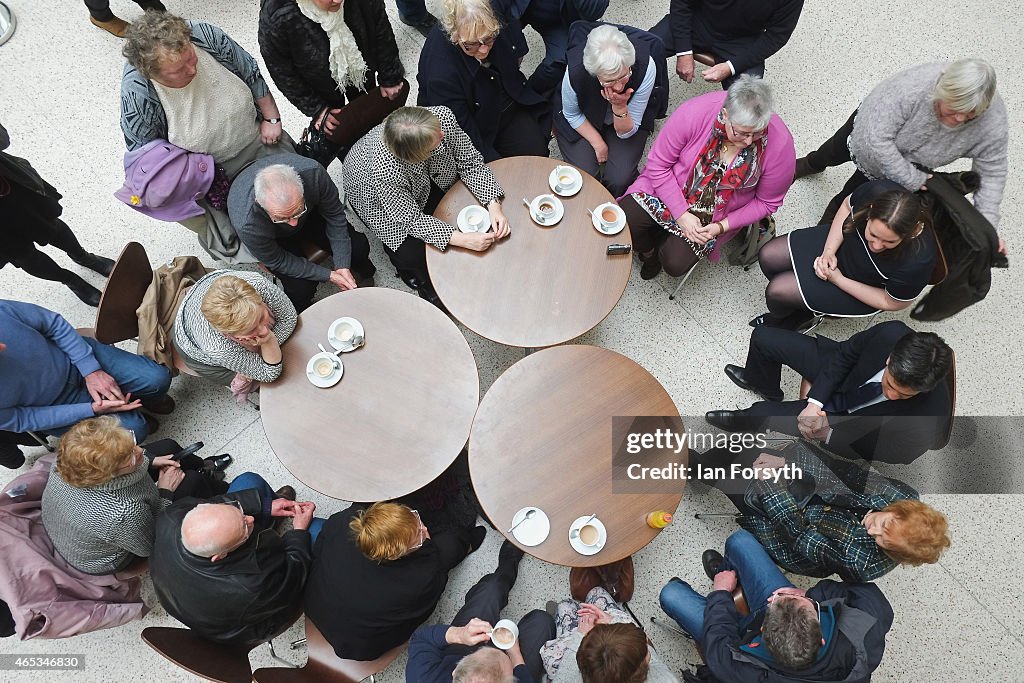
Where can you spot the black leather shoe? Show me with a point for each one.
(712, 560)
(733, 420)
(11, 456)
(738, 377)
(286, 492)
(766, 320)
(219, 463)
(427, 293)
(84, 291)
(424, 25)
(476, 538)
(94, 262)
(804, 169)
(411, 281)
(509, 554)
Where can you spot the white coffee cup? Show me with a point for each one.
(323, 367)
(344, 333)
(608, 214)
(590, 535)
(504, 634)
(474, 220)
(563, 178)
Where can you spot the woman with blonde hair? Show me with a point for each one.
(472, 68)
(231, 324)
(100, 501)
(377, 574)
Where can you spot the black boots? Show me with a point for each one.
(94, 262)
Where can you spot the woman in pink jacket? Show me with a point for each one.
(722, 161)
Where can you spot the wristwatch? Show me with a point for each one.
(272, 120)
(622, 115)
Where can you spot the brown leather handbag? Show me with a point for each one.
(358, 117)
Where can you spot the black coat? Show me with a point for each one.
(297, 52)
(969, 243)
(363, 608)
(448, 76)
(249, 596)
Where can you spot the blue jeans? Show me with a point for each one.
(136, 375)
(756, 571)
(251, 480)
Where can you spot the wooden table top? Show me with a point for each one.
(401, 413)
(541, 286)
(543, 437)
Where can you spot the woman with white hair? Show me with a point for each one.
(615, 86)
(722, 161)
(472, 68)
(919, 119)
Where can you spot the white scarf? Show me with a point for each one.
(347, 64)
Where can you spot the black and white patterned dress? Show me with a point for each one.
(389, 194)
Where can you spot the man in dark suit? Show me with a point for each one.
(740, 34)
(879, 395)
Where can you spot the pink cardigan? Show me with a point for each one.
(675, 151)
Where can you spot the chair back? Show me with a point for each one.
(324, 666)
(213, 661)
(951, 386)
(116, 317)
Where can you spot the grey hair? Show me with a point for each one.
(966, 86)
(276, 183)
(153, 37)
(480, 667)
(749, 102)
(410, 133)
(205, 545)
(607, 52)
(792, 633)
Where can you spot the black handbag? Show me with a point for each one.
(314, 143)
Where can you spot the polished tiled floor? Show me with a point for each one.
(958, 620)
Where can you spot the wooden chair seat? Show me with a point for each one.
(324, 666)
(704, 58)
(116, 317)
(204, 658)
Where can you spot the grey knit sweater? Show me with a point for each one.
(896, 126)
(99, 529)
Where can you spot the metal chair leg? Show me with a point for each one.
(671, 627)
(296, 643)
(273, 655)
(625, 606)
(818, 319)
(707, 515)
(682, 282)
(42, 441)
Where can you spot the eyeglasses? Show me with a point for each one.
(296, 217)
(422, 532)
(742, 134)
(608, 84)
(473, 45)
(247, 530)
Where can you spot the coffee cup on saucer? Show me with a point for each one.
(563, 179)
(608, 216)
(590, 535)
(324, 367)
(504, 634)
(344, 334)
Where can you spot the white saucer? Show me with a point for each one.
(555, 217)
(620, 223)
(463, 219)
(533, 531)
(577, 181)
(578, 545)
(329, 381)
(345, 347)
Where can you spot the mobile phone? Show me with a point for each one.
(619, 249)
(187, 451)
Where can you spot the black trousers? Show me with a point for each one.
(485, 601)
(770, 348)
(703, 41)
(835, 152)
(196, 484)
(300, 290)
(100, 9)
(519, 134)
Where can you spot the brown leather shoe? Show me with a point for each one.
(287, 492)
(115, 27)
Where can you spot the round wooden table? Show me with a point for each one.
(543, 437)
(540, 286)
(401, 413)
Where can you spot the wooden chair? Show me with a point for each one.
(951, 386)
(204, 658)
(324, 666)
(704, 58)
(116, 317)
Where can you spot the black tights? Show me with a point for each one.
(38, 264)
(782, 293)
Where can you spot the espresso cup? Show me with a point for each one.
(608, 216)
(323, 367)
(344, 333)
(590, 535)
(564, 178)
(474, 220)
(504, 634)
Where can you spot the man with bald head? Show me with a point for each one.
(282, 202)
(219, 568)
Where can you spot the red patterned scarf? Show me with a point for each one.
(744, 171)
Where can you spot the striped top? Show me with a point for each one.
(100, 529)
(196, 338)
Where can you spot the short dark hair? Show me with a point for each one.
(613, 653)
(920, 360)
(792, 633)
